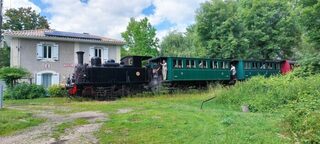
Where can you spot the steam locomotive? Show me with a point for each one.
(110, 80)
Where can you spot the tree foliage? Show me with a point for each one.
(271, 28)
(11, 75)
(310, 21)
(140, 38)
(182, 44)
(4, 56)
(247, 29)
(24, 19)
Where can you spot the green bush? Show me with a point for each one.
(57, 91)
(25, 91)
(297, 98)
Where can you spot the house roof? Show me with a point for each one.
(50, 34)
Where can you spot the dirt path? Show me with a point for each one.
(42, 134)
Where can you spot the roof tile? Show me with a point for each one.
(40, 33)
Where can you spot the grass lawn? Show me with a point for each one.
(175, 118)
(15, 120)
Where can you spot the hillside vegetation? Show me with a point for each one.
(297, 99)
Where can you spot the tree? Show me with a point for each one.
(140, 38)
(182, 44)
(309, 55)
(11, 75)
(4, 56)
(174, 44)
(220, 30)
(24, 19)
(271, 29)
(310, 22)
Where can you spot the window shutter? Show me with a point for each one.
(55, 52)
(105, 54)
(39, 79)
(55, 79)
(39, 51)
(91, 53)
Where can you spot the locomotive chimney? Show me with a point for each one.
(80, 57)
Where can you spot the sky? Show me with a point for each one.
(110, 18)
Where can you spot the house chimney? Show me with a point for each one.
(80, 57)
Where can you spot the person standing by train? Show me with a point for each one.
(164, 69)
(233, 72)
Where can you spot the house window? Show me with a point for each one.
(97, 52)
(47, 50)
(46, 80)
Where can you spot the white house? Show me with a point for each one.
(50, 55)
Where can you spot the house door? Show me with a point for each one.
(46, 79)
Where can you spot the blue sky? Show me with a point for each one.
(110, 17)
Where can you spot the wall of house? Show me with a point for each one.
(64, 66)
(24, 54)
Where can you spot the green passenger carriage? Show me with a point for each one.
(248, 68)
(182, 69)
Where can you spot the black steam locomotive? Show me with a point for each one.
(109, 80)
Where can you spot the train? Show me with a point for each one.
(136, 74)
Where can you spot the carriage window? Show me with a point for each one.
(220, 65)
(246, 65)
(179, 63)
(205, 65)
(193, 64)
(277, 66)
(263, 65)
(226, 65)
(175, 64)
(269, 65)
(254, 66)
(214, 64)
(200, 64)
(188, 62)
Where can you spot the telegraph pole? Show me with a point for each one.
(1, 5)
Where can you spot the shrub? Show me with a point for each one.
(57, 91)
(11, 74)
(25, 91)
(298, 98)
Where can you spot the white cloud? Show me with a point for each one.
(102, 17)
(181, 13)
(110, 17)
(7, 4)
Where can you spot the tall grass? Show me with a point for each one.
(297, 98)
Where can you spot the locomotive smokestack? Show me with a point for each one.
(80, 57)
